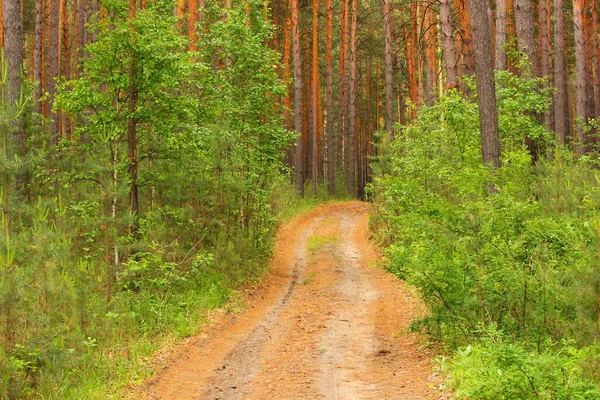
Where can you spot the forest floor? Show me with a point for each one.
(326, 323)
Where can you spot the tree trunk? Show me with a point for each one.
(299, 165)
(192, 19)
(581, 76)
(466, 37)
(389, 79)
(596, 56)
(486, 94)
(53, 66)
(37, 55)
(329, 101)
(561, 95)
(525, 26)
(352, 102)
(342, 143)
(448, 44)
(13, 46)
(544, 54)
(430, 56)
(315, 96)
(134, 208)
(500, 61)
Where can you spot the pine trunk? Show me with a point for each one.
(561, 99)
(389, 79)
(352, 102)
(315, 96)
(299, 165)
(329, 101)
(580, 76)
(448, 44)
(486, 94)
(500, 61)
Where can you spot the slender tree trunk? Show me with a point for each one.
(466, 40)
(287, 79)
(410, 46)
(342, 143)
(299, 175)
(352, 92)
(400, 84)
(134, 208)
(500, 61)
(430, 55)
(37, 55)
(596, 56)
(581, 76)
(13, 47)
(53, 70)
(450, 57)
(561, 99)
(544, 54)
(389, 79)
(315, 96)
(486, 94)
(329, 101)
(192, 20)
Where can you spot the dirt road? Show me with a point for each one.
(325, 324)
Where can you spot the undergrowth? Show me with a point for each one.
(507, 260)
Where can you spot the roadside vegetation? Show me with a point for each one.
(93, 284)
(507, 259)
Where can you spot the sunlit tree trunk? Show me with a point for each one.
(561, 99)
(329, 100)
(192, 20)
(352, 103)
(389, 79)
(342, 143)
(430, 56)
(596, 56)
(486, 94)
(466, 40)
(544, 53)
(448, 43)
(53, 65)
(500, 59)
(299, 165)
(315, 95)
(580, 76)
(134, 208)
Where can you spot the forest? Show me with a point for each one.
(150, 150)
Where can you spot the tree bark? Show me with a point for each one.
(134, 208)
(13, 46)
(53, 70)
(450, 58)
(430, 56)
(525, 26)
(486, 94)
(299, 165)
(329, 100)
(500, 61)
(389, 79)
(561, 95)
(352, 101)
(544, 53)
(315, 95)
(581, 76)
(596, 56)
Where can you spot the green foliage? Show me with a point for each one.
(95, 299)
(507, 260)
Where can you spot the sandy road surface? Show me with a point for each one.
(325, 324)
